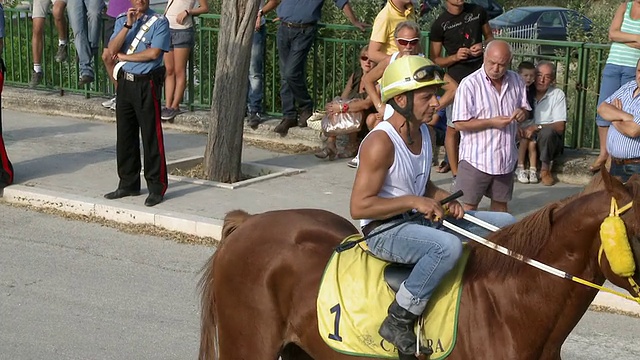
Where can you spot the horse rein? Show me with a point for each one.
(541, 266)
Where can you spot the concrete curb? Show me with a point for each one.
(113, 210)
(610, 302)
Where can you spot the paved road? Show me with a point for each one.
(73, 290)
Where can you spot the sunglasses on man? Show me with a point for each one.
(405, 42)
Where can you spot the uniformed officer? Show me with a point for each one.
(140, 38)
(6, 169)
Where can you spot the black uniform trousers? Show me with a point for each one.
(6, 169)
(138, 110)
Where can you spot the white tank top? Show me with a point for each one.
(409, 173)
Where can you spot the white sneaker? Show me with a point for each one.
(522, 175)
(353, 163)
(112, 107)
(110, 103)
(533, 176)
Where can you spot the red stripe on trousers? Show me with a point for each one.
(156, 105)
(3, 151)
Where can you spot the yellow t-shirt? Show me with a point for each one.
(385, 24)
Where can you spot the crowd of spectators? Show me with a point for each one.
(528, 134)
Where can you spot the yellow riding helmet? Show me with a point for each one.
(408, 73)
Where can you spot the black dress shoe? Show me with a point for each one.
(153, 200)
(120, 193)
(285, 124)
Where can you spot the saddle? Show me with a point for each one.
(395, 274)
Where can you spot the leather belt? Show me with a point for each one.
(366, 230)
(625, 161)
(296, 25)
(141, 77)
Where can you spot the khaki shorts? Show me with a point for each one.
(475, 184)
(41, 7)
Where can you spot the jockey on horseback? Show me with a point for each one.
(392, 182)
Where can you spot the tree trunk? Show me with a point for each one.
(223, 155)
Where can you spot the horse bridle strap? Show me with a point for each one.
(544, 267)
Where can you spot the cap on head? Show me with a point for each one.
(409, 73)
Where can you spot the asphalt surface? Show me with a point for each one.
(76, 290)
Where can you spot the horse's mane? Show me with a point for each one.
(526, 237)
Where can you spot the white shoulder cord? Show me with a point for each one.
(134, 44)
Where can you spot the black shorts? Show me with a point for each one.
(109, 23)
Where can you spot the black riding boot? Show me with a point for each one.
(397, 329)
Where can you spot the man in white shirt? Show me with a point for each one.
(550, 115)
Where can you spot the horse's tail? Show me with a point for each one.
(208, 326)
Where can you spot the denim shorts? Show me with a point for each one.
(613, 77)
(182, 38)
(624, 171)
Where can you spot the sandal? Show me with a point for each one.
(443, 168)
(328, 151)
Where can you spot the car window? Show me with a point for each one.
(573, 16)
(550, 19)
(514, 16)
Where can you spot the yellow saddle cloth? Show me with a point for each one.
(354, 298)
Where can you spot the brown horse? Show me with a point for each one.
(259, 289)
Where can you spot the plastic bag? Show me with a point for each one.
(341, 123)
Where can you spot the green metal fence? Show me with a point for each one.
(333, 58)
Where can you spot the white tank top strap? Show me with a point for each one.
(409, 173)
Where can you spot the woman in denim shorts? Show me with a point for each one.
(180, 14)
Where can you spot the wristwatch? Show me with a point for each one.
(260, 13)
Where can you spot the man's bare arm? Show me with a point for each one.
(376, 157)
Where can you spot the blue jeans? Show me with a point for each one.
(256, 72)
(613, 77)
(294, 45)
(433, 251)
(624, 171)
(85, 18)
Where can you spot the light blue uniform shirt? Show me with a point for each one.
(619, 145)
(157, 37)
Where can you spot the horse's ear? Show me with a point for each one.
(612, 184)
(595, 184)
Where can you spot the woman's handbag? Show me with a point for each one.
(341, 123)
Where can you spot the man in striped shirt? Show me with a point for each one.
(622, 109)
(487, 107)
